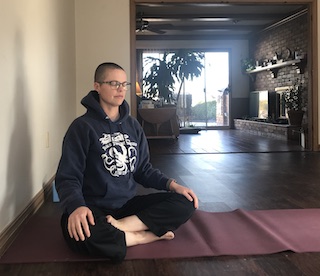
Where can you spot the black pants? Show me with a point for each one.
(160, 212)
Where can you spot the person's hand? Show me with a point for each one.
(78, 223)
(188, 193)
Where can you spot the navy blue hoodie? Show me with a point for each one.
(102, 161)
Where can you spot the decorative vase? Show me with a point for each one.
(295, 117)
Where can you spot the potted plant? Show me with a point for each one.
(171, 68)
(247, 65)
(165, 72)
(293, 103)
(186, 66)
(158, 81)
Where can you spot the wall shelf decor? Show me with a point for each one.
(274, 68)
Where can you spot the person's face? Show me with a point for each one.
(110, 95)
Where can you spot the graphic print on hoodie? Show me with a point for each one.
(120, 153)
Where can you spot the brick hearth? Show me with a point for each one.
(279, 131)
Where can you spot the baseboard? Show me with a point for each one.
(8, 235)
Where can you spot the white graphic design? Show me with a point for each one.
(120, 153)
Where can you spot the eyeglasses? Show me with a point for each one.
(115, 84)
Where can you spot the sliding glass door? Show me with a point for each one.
(203, 101)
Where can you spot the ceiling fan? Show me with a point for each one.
(144, 25)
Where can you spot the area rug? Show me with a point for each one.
(238, 232)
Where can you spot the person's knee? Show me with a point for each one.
(106, 241)
(184, 205)
(185, 201)
(114, 251)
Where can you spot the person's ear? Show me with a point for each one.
(96, 86)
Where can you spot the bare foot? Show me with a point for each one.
(143, 237)
(113, 222)
(135, 231)
(167, 236)
(127, 224)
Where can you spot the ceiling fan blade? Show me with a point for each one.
(155, 30)
(141, 25)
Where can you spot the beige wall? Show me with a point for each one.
(37, 65)
(102, 34)
(48, 52)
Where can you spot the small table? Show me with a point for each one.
(158, 116)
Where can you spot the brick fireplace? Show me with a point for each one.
(278, 131)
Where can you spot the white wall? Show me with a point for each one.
(37, 65)
(102, 34)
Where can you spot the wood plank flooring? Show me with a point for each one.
(222, 141)
(227, 171)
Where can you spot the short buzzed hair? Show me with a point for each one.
(102, 68)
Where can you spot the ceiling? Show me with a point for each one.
(194, 20)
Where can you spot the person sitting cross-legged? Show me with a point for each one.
(105, 155)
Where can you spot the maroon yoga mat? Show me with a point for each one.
(238, 232)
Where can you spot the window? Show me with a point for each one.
(203, 101)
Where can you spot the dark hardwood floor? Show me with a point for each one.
(227, 170)
(221, 141)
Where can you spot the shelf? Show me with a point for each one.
(274, 68)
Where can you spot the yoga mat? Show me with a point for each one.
(238, 232)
